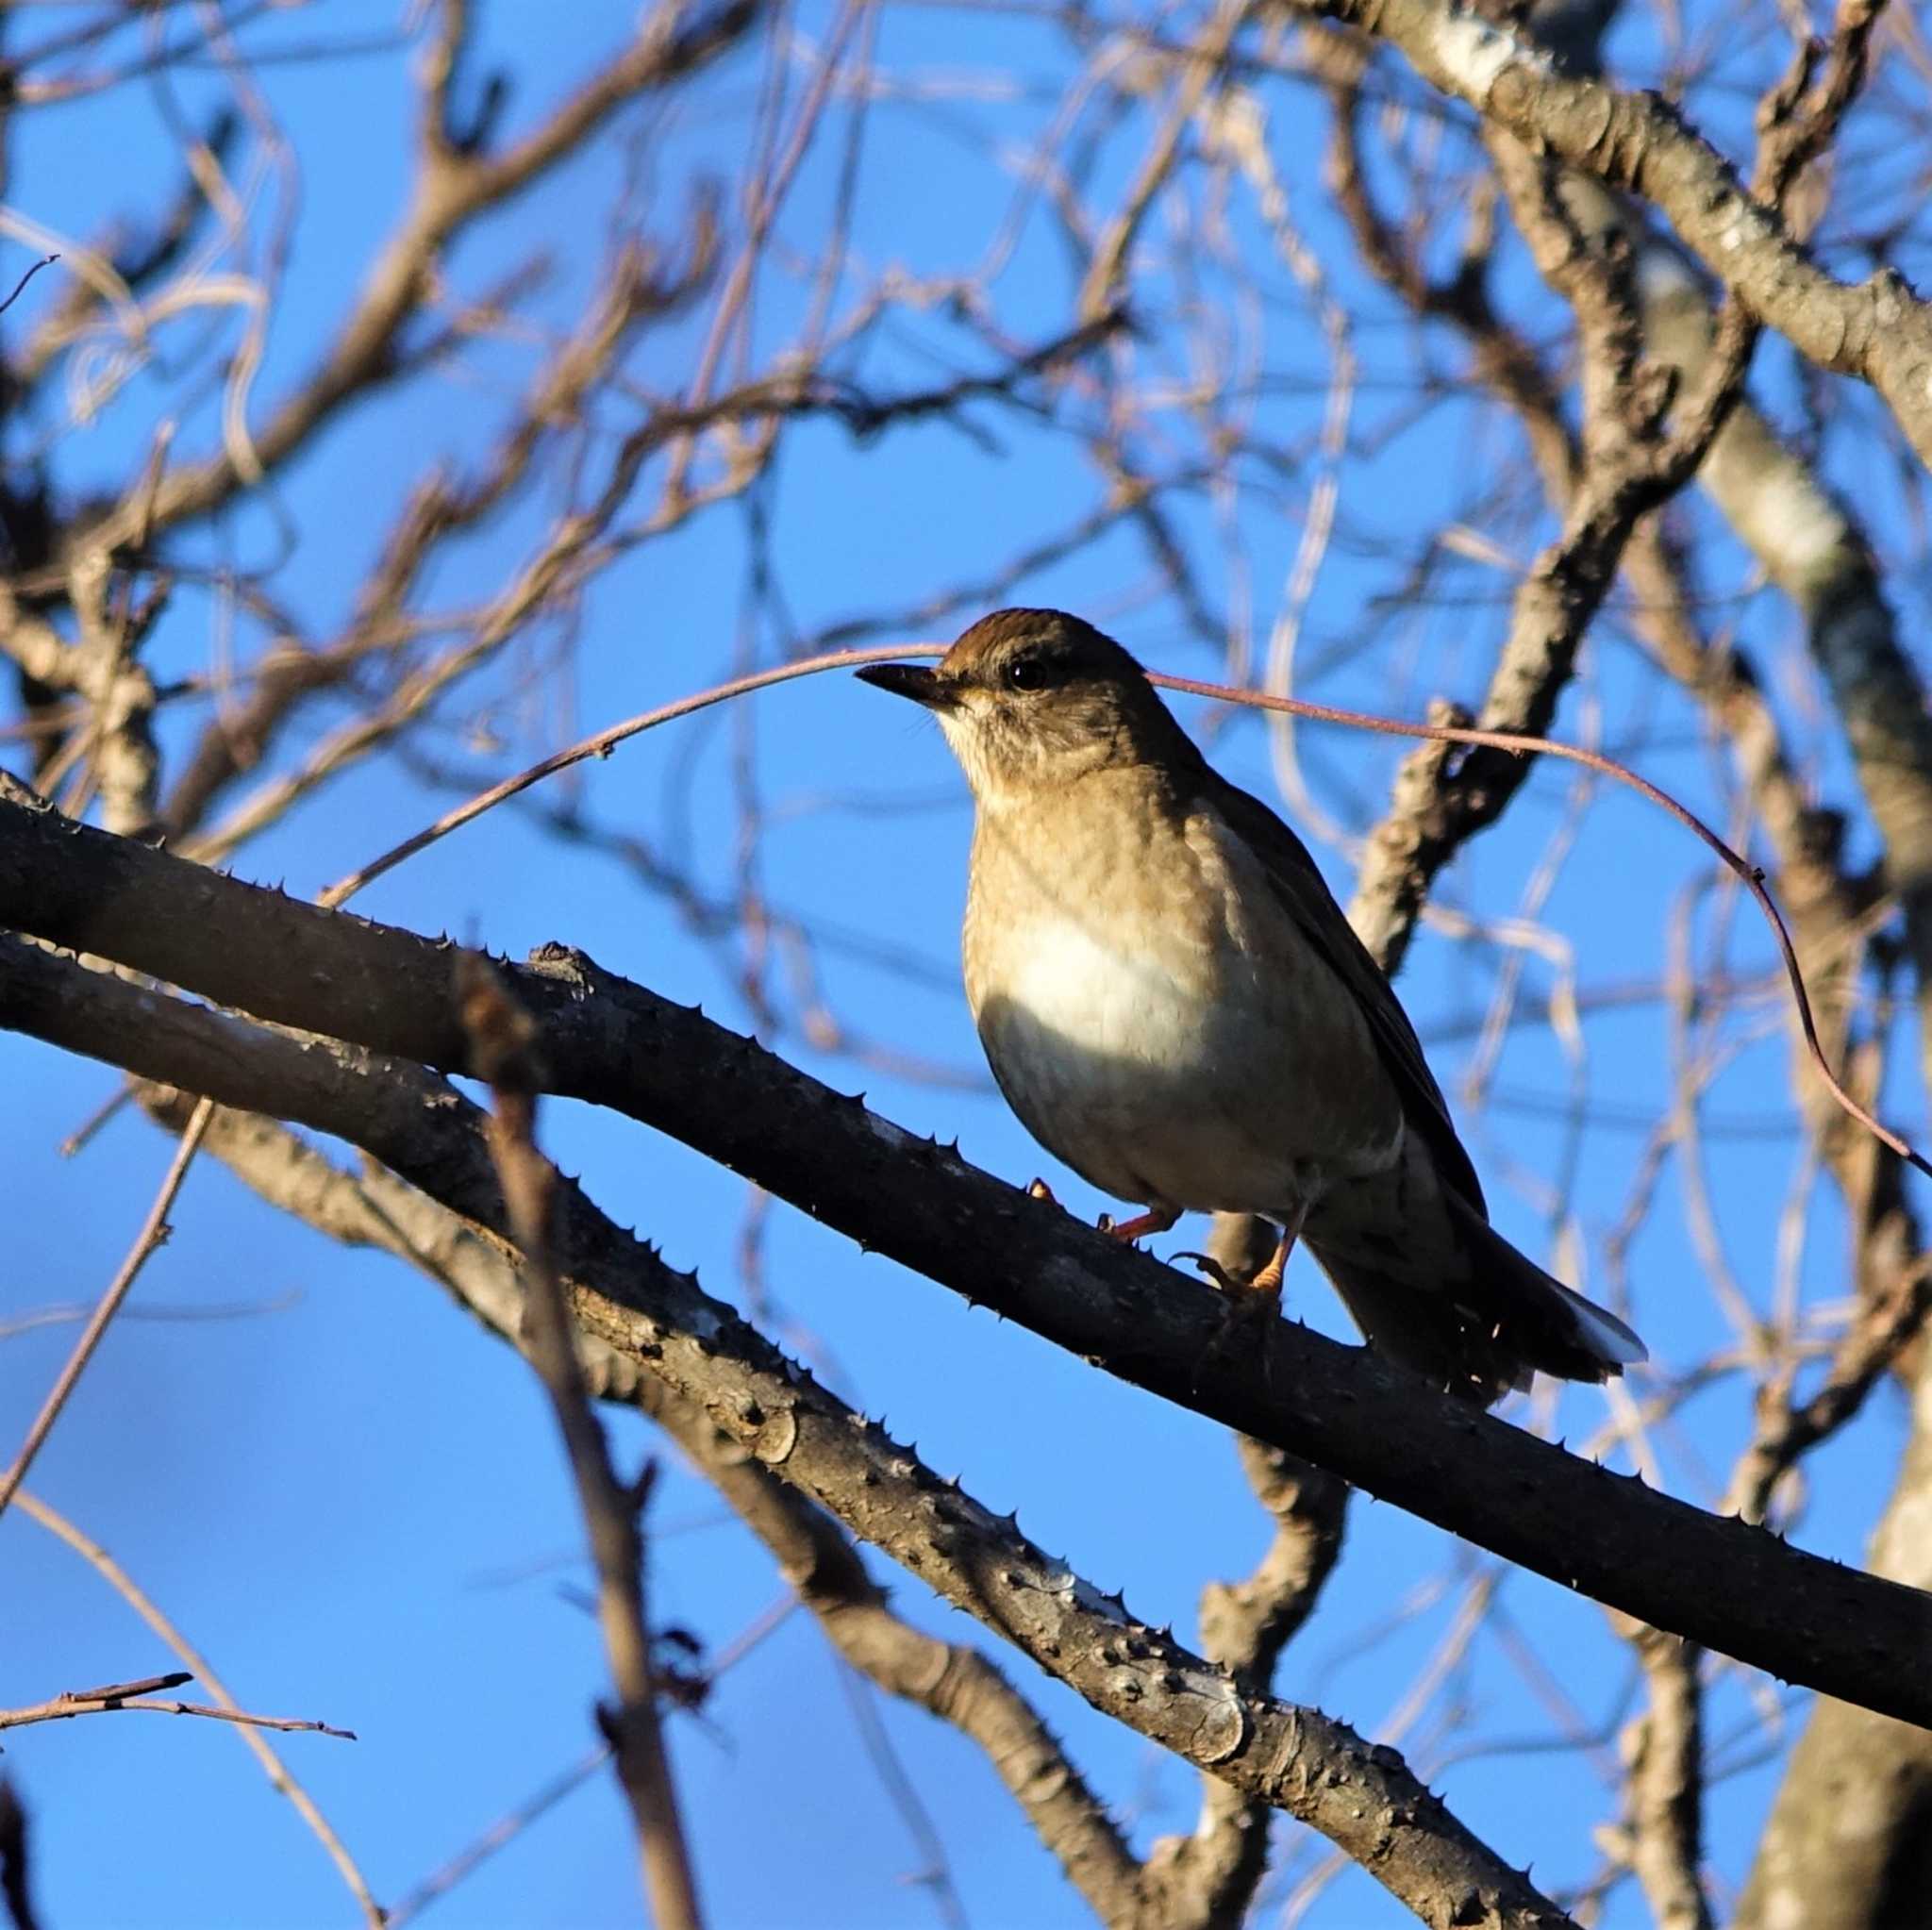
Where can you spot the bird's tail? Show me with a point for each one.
(1485, 1331)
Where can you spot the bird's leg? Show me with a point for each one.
(1237, 1284)
(1155, 1220)
(1268, 1279)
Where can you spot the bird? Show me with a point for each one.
(1175, 1007)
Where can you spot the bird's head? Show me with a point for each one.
(1030, 698)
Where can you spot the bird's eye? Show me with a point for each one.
(1026, 674)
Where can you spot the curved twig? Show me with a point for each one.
(603, 742)
(20, 287)
(1524, 745)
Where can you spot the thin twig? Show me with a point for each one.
(438, 1883)
(935, 1876)
(78, 1139)
(1523, 744)
(20, 287)
(258, 1745)
(600, 745)
(503, 1044)
(153, 1231)
(141, 1695)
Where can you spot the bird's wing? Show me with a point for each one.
(1304, 893)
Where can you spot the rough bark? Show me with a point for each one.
(1362, 1796)
(1877, 329)
(1719, 1583)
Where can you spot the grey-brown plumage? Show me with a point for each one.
(1174, 1003)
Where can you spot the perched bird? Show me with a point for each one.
(1174, 1003)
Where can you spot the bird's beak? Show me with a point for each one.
(913, 680)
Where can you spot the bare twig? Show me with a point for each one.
(502, 1043)
(153, 1232)
(438, 1883)
(20, 287)
(143, 1694)
(1798, 118)
(1519, 743)
(279, 1774)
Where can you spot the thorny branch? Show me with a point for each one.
(775, 1410)
(616, 1046)
(952, 1680)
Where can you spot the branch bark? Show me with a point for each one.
(1363, 1798)
(1877, 329)
(951, 1681)
(1718, 1583)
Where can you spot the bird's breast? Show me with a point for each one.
(1100, 939)
(1149, 1022)
(1085, 988)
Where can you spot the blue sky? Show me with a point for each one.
(352, 1497)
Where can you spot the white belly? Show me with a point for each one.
(1107, 1007)
(1158, 1022)
(1133, 1068)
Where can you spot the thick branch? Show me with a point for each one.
(1715, 1582)
(950, 1680)
(1363, 1798)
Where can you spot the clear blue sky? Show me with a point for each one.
(353, 1498)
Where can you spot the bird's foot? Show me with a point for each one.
(1250, 1303)
(1155, 1220)
(1246, 1315)
(1240, 1287)
(1207, 1263)
(1268, 1281)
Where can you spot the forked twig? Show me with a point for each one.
(145, 1694)
(258, 1745)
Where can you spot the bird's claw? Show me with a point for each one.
(1207, 1263)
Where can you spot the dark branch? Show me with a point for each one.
(1718, 1583)
(1364, 1798)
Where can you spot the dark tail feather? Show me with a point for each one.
(1489, 1332)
